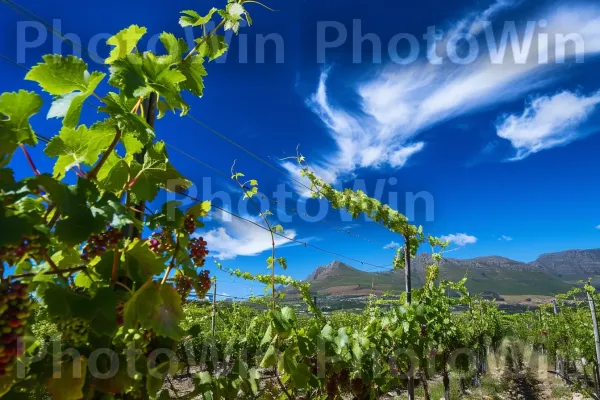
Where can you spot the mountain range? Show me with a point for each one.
(549, 274)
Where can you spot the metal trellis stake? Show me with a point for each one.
(595, 322)
(214, 307)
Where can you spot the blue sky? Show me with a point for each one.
(506, 153)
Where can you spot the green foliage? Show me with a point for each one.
(86, 253)
(93, 260)
(15, 111)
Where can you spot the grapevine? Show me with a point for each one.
(78, 235)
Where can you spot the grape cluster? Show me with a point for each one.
(138, 339)
(101, 243)
(332, 387)
(183, 285)
(340, 379)
(198, 251)
(344, 377)
(189, 224)
(29, 247)
(15, 305)
(162, 241)
(204, 283)
(358, 386)
(314, 369)
(74, 331)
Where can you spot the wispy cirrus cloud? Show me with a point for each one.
(400, 102)
(459, 239)
(240, 238)
(548, 121)
(473, 23)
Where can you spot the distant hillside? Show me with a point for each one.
(549, 274)
(570, 265)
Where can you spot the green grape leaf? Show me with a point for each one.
(235, 10)
(7, 177)
(167, 85)
(60, 75)
(14, 228)
(109, 208)
(194, 71)
(268, 337)
(63, 259)
(270, 358)
(148, 175)
(132, 145)
(6, 383)
(162, 108)
(127, 75)
(77, 227)
(124, 41)
(71, 116)
(65, 304)
(77, 222)
(155, 173)
(128, 122)
(141, 262)
(287, 360)
(60, 105)
(200, 210)
(83, 280)
(114, 174)
(69, 383)
(156, 307)
(301, 376)
(104, 318)
(192, 18)
(156, 377)
(29, 205)
(176, 49)
(139, 75)
(213, 47)
(15, 111)
(75, 147)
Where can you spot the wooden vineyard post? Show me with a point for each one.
(214, 307)
(149, 107)
(559, 362)
(596, 377)
(411, 379)
(595, 324)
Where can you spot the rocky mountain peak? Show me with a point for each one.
(332, 269)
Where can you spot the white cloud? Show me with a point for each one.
(400, 102)
(459, 239)
(361, 140)
(474, 22)
(240, 238)
(548, 121)
(505, 238)
(391, 246)
(598, 227)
